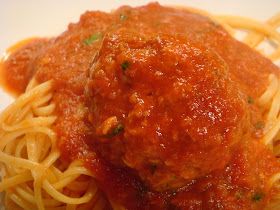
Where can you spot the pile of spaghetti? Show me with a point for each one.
(56, 151)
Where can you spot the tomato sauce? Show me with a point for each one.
(174, 113)
(154, 100)
(17, 70)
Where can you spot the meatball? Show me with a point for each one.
(164, 106)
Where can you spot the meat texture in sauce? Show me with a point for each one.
(175, 103)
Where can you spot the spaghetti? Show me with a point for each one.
(34, 178)
(34, 175)
(269, 101)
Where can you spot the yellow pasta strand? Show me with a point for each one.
(29, 152)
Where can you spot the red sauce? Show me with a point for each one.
(18, 69)
(154, 101)
(175, 101)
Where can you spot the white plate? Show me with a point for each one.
(22, 19)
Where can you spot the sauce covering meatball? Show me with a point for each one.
(164, 106)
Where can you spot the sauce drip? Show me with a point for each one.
(17, 70)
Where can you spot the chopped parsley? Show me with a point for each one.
(125, 65)
(257, 196)
(259, 125)
(94, 37)
(123, 17)
(238, 195)
(250, 100)
(118, 129)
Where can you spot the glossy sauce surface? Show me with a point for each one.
(154, 100)
(175, 105)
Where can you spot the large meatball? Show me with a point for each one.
(164, 106)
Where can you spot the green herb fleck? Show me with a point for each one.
(174, 177)
(250, 100)
(259, 125)
(257, 197)
(123, 17)
(125, 65)
(94, 37)
(153, 168)
(238, 195)
(118, 129)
